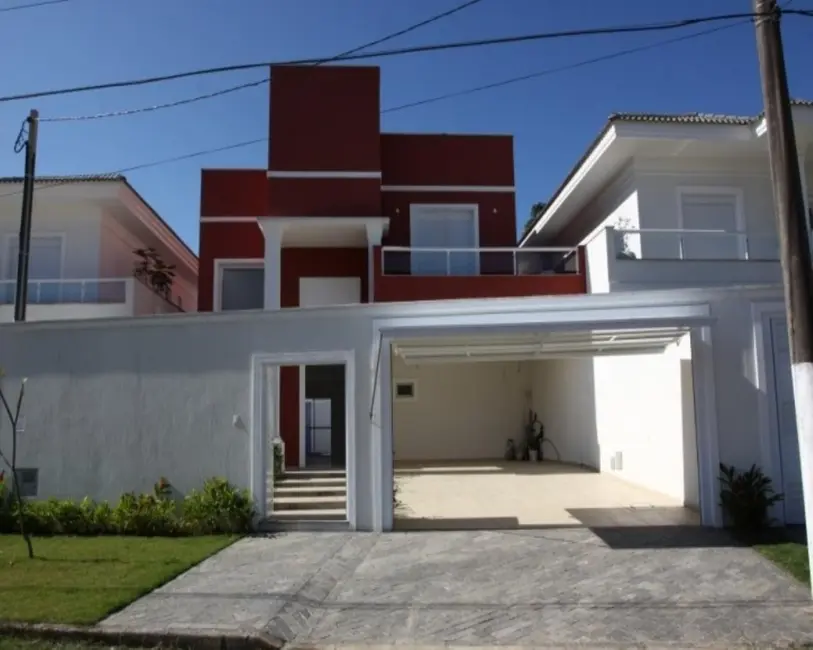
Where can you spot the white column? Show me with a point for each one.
(375, 231)
(273, 262)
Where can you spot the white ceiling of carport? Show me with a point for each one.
(538, 345)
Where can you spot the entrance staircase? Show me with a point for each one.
(312, 499)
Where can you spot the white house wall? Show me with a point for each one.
(114, 406)
(629, 415)
(78, 222)
(461, 411)
(563, 397)
(655, 183)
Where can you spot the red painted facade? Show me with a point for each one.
(327, 158)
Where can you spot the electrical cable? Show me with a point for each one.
(562, 68)
(251, 84)
(78, 178)
(497, 84)
(437, 47)
(32, 5)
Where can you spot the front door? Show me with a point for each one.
(791, 483)
(325, 386)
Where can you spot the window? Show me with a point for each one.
(716, 210)
(242, 286)
(28, 480)
(404, 390)
(45, 261)
(444, 227)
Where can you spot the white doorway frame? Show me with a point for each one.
(265, 411)
(764, 378)
(704, 400)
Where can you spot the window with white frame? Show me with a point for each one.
(717, 211)
(241, 286)
(448, 228)
(45, 257)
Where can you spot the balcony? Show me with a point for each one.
(61, 299)
(406, 274)
(648, 258)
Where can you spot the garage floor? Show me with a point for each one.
(506, 495)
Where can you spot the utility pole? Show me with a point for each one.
(24, 240)
(794, 249)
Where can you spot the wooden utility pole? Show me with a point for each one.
(794, 247)
(24, 240)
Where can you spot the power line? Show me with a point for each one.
(438, 47)
(32, 5)
(562, 68)
(154, 163)
(251, 84)
(490, 86)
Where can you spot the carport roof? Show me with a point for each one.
(537, 345)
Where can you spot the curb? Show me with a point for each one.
(213, 640)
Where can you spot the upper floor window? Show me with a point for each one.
(718, 210)
(45, 261)
(240, 286)
(448, 228)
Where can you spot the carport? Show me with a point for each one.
(452, 394)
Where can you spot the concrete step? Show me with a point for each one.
(284, 490)
(304, 525)
(311, 482)
(308, 503)
(322, 514)
(314, 473)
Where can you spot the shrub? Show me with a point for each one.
(746, 497)
(218, 508)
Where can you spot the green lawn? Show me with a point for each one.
(79, 580)
(790, 556)
(32, 644)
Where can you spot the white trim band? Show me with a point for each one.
(273, 173)
(448, 188)
(229, 219)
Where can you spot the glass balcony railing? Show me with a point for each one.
(59, 292)
(462, 262)
(695, 245)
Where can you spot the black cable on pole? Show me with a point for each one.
(260, 82)
(438, 47)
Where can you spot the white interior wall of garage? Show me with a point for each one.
(630, 415)
(461, 411)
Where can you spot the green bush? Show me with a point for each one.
(747, 497)
(218, 508)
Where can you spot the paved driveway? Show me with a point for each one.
(541, 588)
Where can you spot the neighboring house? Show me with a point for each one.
(460, 337)
(85, 230)
(669, 201)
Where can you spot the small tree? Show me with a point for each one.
(14, 418)
(153, 271)
(536, 211)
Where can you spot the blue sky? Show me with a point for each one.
(553, 118)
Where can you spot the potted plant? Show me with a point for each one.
(532, 438)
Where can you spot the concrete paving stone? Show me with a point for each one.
(525, 588)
